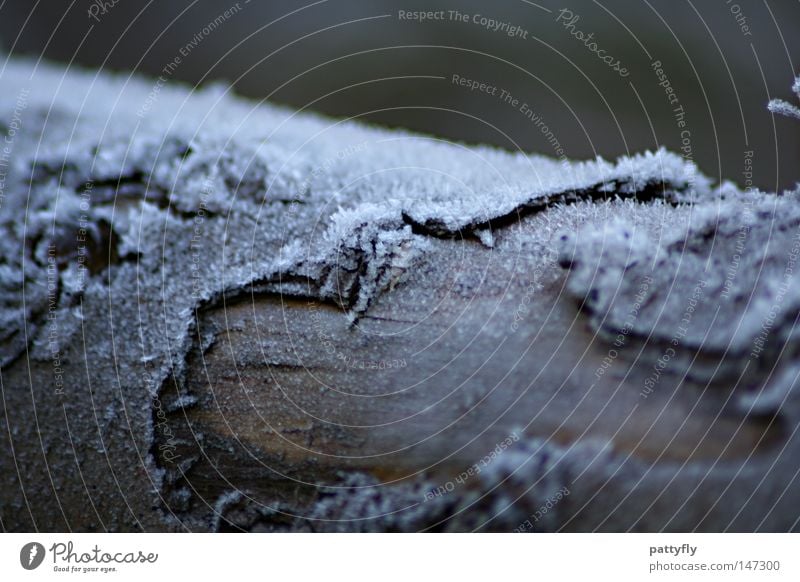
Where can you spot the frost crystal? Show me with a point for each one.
(781, 107)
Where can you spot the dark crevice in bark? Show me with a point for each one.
(650, 192)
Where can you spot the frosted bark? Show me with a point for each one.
(218, 314)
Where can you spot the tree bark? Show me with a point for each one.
(221, 315)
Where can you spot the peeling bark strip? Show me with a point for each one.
(233, 316)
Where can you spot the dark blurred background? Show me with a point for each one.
(724, 59)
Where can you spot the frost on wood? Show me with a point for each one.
(717, 283)
(125, 232)
(305, 197)
(782, 107)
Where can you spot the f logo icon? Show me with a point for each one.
(31, 555)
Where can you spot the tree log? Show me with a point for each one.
(222, 315)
